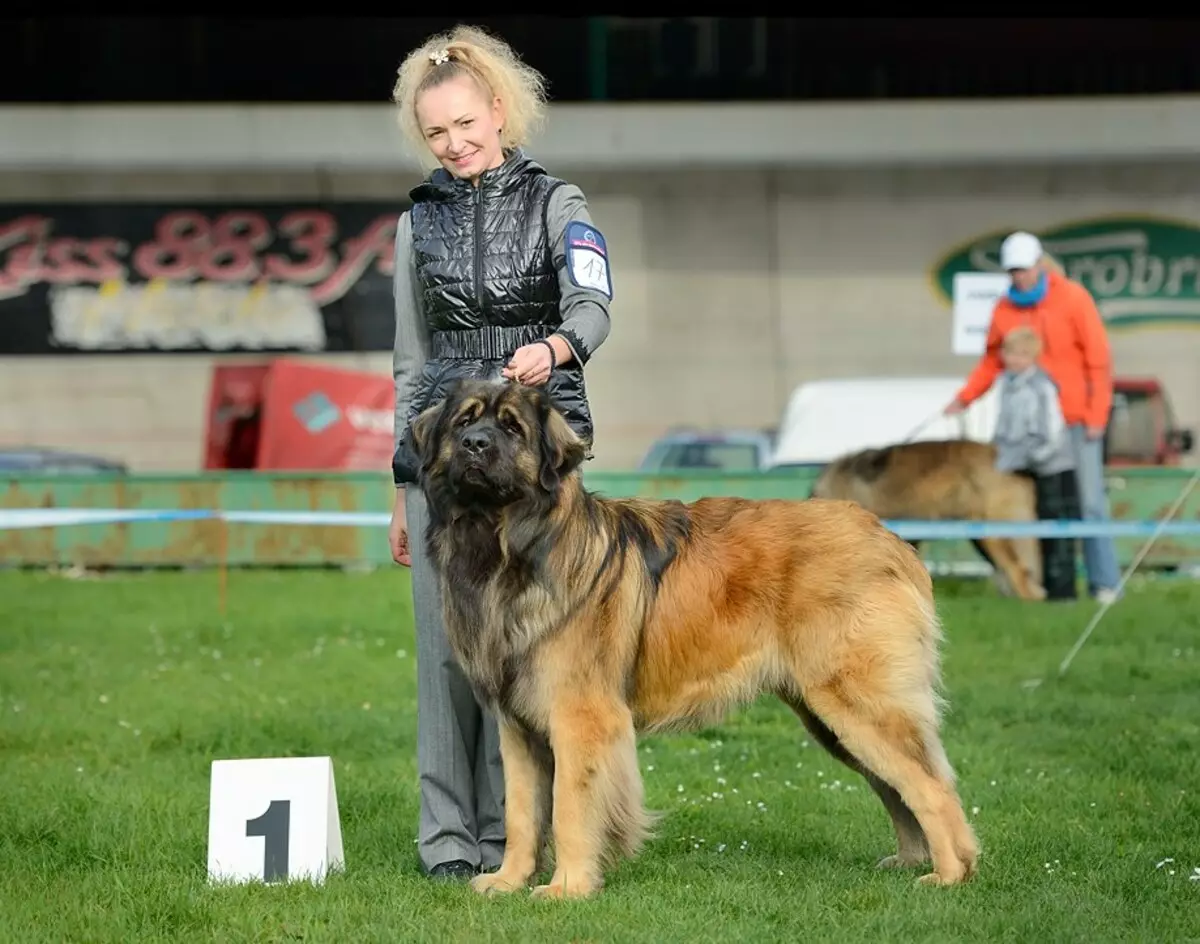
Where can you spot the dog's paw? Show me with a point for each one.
(497, 883)
(561, 889)
(943, 878)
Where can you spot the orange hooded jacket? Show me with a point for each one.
(1075, 350)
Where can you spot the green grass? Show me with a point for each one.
(116, 694)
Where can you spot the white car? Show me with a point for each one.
(825, 419)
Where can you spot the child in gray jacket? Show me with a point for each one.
(1031, 438)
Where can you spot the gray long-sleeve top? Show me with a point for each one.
(585, 320)
(1030, 431)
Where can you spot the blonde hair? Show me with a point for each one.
(1049, 264)
(491, 63)
(1022, 340)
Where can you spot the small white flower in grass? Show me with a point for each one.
(104, 699)
(721, 848)
(650, 767)
(756, 774)
(366, 706)
(124, 724)
(679, 789)
(1165, 861)
(1195, 876)
(974, 811)
(780, 871)
(721, 781)
(993, 783)
(401, 654)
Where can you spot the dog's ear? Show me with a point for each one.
(562, 450)
(424, 433)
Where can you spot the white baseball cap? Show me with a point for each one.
(1020, 251)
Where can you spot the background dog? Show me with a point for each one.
(945, 479)
(582, 620)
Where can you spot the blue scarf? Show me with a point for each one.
(1031, 297)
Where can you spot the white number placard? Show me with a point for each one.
(273, 819)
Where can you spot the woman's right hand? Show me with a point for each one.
(398, 532)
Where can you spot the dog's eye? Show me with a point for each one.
(464, 419)
(509, 424)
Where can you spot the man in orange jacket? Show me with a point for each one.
(1075, 353)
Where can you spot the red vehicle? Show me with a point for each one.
(1141, 428)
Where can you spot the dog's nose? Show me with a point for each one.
(476, 440)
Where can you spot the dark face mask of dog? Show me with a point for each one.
(487, 445)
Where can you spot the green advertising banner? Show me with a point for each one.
(1142, 270)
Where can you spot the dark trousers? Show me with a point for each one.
(1058, 500)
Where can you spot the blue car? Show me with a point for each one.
(32, 461)
(739, 450)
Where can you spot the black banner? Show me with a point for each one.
(197, 276)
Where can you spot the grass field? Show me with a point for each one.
(116, 693)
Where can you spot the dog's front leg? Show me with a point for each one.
(527, 784)
(597, 791)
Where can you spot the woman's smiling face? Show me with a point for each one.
(461, 127)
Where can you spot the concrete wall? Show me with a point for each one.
(732, 287)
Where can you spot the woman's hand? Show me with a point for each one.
(398, 532)
(531, 364)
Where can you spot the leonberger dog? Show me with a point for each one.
(945, 479)
(582, 621)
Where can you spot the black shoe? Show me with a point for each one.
(455, 869)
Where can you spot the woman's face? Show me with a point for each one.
(1024, 279)
(461, 127)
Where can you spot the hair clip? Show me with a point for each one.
(441, 57)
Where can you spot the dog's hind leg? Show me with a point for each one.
(891, 728)
(597, 792)
(1004, 558)
(912, 848)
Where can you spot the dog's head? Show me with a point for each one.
(489, 444)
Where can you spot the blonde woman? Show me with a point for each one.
(499, 272)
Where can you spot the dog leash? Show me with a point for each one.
(1099, 614)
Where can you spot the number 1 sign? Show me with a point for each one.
(273, 819)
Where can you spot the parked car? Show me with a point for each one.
(735, 450)
(34, 461)
(1141, 427)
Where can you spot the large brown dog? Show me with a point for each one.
(945, 479)
(583, 620)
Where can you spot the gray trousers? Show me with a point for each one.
(458, 744)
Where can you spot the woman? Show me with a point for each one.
(499, 273)
(1075, 353)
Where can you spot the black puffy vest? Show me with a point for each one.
(488, 283)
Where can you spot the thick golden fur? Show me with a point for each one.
(945, 479)
(584, 620)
